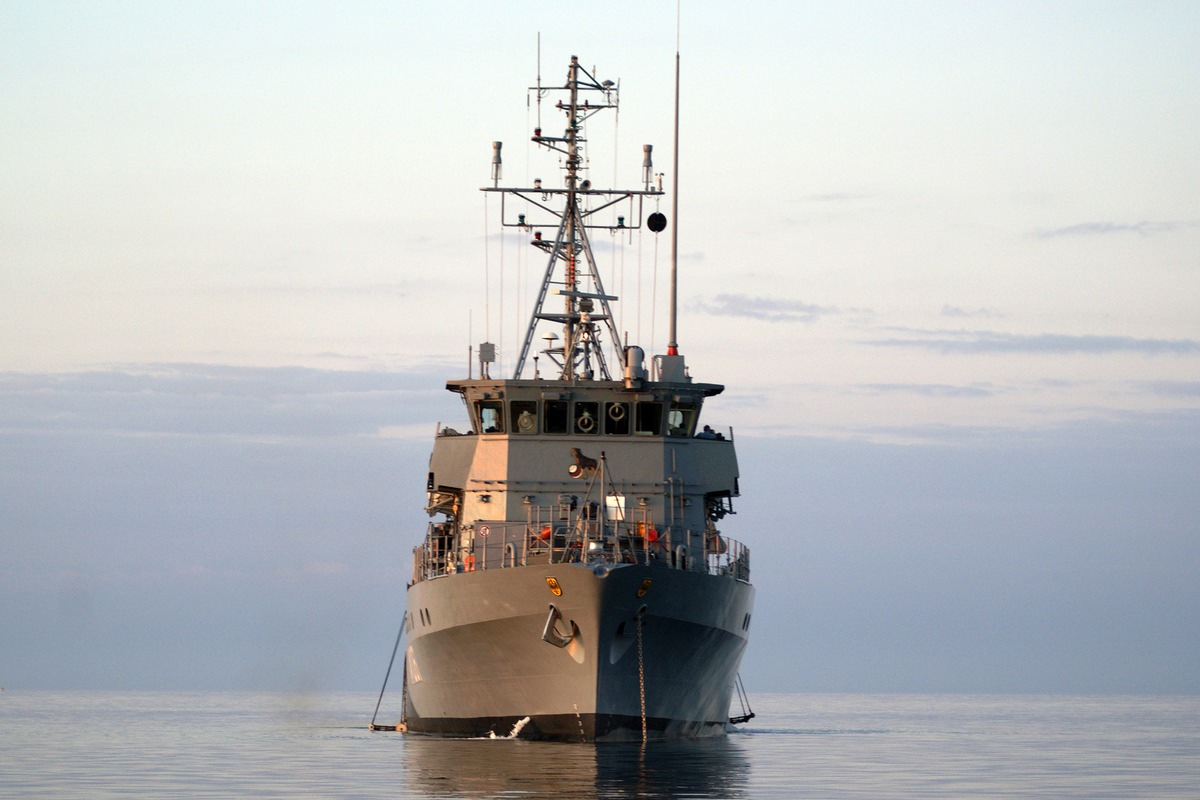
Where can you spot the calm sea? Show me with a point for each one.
(231, 745)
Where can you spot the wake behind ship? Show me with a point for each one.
(573, 583)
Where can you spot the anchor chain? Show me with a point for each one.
(641, 675)
(404, 698)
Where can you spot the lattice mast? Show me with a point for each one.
(572, 266)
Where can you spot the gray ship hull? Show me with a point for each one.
(497, 651)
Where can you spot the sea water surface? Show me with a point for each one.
(234, 745)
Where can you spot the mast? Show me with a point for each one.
(586, 311)
(569, 296)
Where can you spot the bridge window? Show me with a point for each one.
(491, 415)
(523, 416)
(587, 417)
(681, 419)
(616, 419)
(555, 416)
(649, 419)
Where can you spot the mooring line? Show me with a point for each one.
(383, 689)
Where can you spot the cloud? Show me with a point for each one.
(931, 389)
(378, 289)
(838, 197)
(970, 562)
(976, 562)
(223, 401)
(1172, 388)
(975, 342)
(1143, 228)
(767, 308)
(955, 311)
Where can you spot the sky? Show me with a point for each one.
(944, 256)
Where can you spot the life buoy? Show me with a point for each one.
(586, 422)
(616, 412)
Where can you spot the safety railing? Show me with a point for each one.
(504, 545)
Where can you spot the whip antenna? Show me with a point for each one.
(673, 343)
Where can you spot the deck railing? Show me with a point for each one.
(504, 545)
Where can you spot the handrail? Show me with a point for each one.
(508, 544)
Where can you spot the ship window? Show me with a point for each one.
(555, 416)
(649, 419)
(616, 419)
(681, 419)
(587, 418)
(491, 416)
(523, 416)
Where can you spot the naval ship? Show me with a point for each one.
(573, 583)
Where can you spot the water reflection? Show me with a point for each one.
(717, 768)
